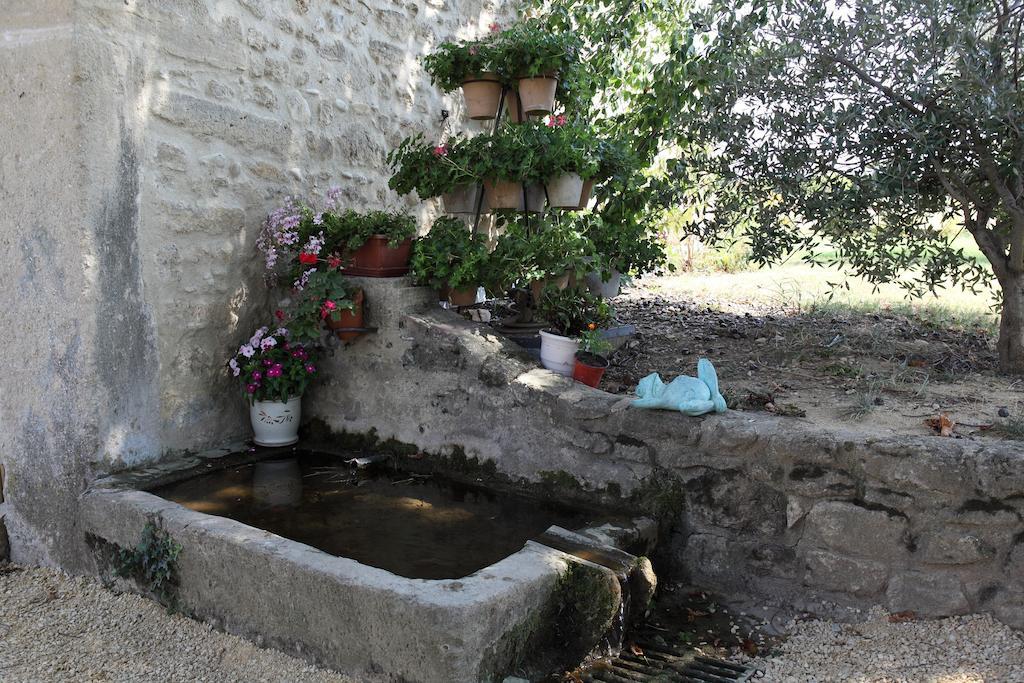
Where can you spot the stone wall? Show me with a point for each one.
(771, 506)
(144, 141)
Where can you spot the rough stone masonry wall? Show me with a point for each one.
(143, 143)
(771, 506)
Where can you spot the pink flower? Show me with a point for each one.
(251, 388)
(267, 362)
(279, 314)
(274, 371)
(333, 262)
(311, 368)
(441, 151)
(473, 50)
(257, 376)
(235, 370)
(495, 27)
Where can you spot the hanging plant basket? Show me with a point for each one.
(588, 188)
(538, 94)
(376, 259)
(501, 194)
(482, 94)
(463, 198)
(565, 191)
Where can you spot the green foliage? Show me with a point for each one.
(535, 47)
(570, 311)
(327, 293)
(628, 246)
(453, 63)
(535, 248)
(152, 563)
(532, 152)
(429, 170)
(450, 255)
(592, 341)
(348, 230)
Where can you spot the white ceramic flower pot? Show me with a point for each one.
(275, 423)
(608, 289)
(565, 191)
(558, 353)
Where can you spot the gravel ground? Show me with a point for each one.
(970, 649)
(55, 627)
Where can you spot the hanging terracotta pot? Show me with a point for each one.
(504, 194)
(565, 191)
(482, 93)
(463, 198)
(349, 318)
(538, 94)
(462, 297)
(512, 110)
(376, 259)
(588, 188)
(561, 281)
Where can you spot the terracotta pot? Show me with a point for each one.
(588, 188)
(562, 281)
(376, 259)
(590, 369)
(512, 111)
(482, 94)
(501, 194)
(462, 199)
(538, 94)
(442, 294)
(348, 319)
(462, 297)
(565, 191)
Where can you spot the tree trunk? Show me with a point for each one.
(1011, 324)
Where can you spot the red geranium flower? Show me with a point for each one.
(307, 258)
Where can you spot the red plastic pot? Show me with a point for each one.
(590, 369)
(349, 319)
(376, 259)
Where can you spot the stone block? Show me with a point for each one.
(929, 594)
(854, 530)
(950, 545)
(833, 572)
(211, 120)
(817, 481)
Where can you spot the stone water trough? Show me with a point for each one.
(360, 619)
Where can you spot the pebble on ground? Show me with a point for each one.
(970, 649)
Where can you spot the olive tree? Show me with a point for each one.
(846, 127)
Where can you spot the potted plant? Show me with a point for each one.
(626, 241)
(568, 312)
(432, 170)
(536, 54)
(471, 66)
(534, 252)
(275, 372)
(568, 160)
(326, 299)
(590, 362)
(372, 244)
(614, 163)
(451, 258)
(506, 160)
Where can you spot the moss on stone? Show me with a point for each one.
(560, 481)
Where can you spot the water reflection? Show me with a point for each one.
(277, 483)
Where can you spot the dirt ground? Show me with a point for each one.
(879, 373)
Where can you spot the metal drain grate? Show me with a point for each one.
(665, 664)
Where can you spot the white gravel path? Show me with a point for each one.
(54, 627)
(970, 649)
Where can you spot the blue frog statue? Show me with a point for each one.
(689, 395)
